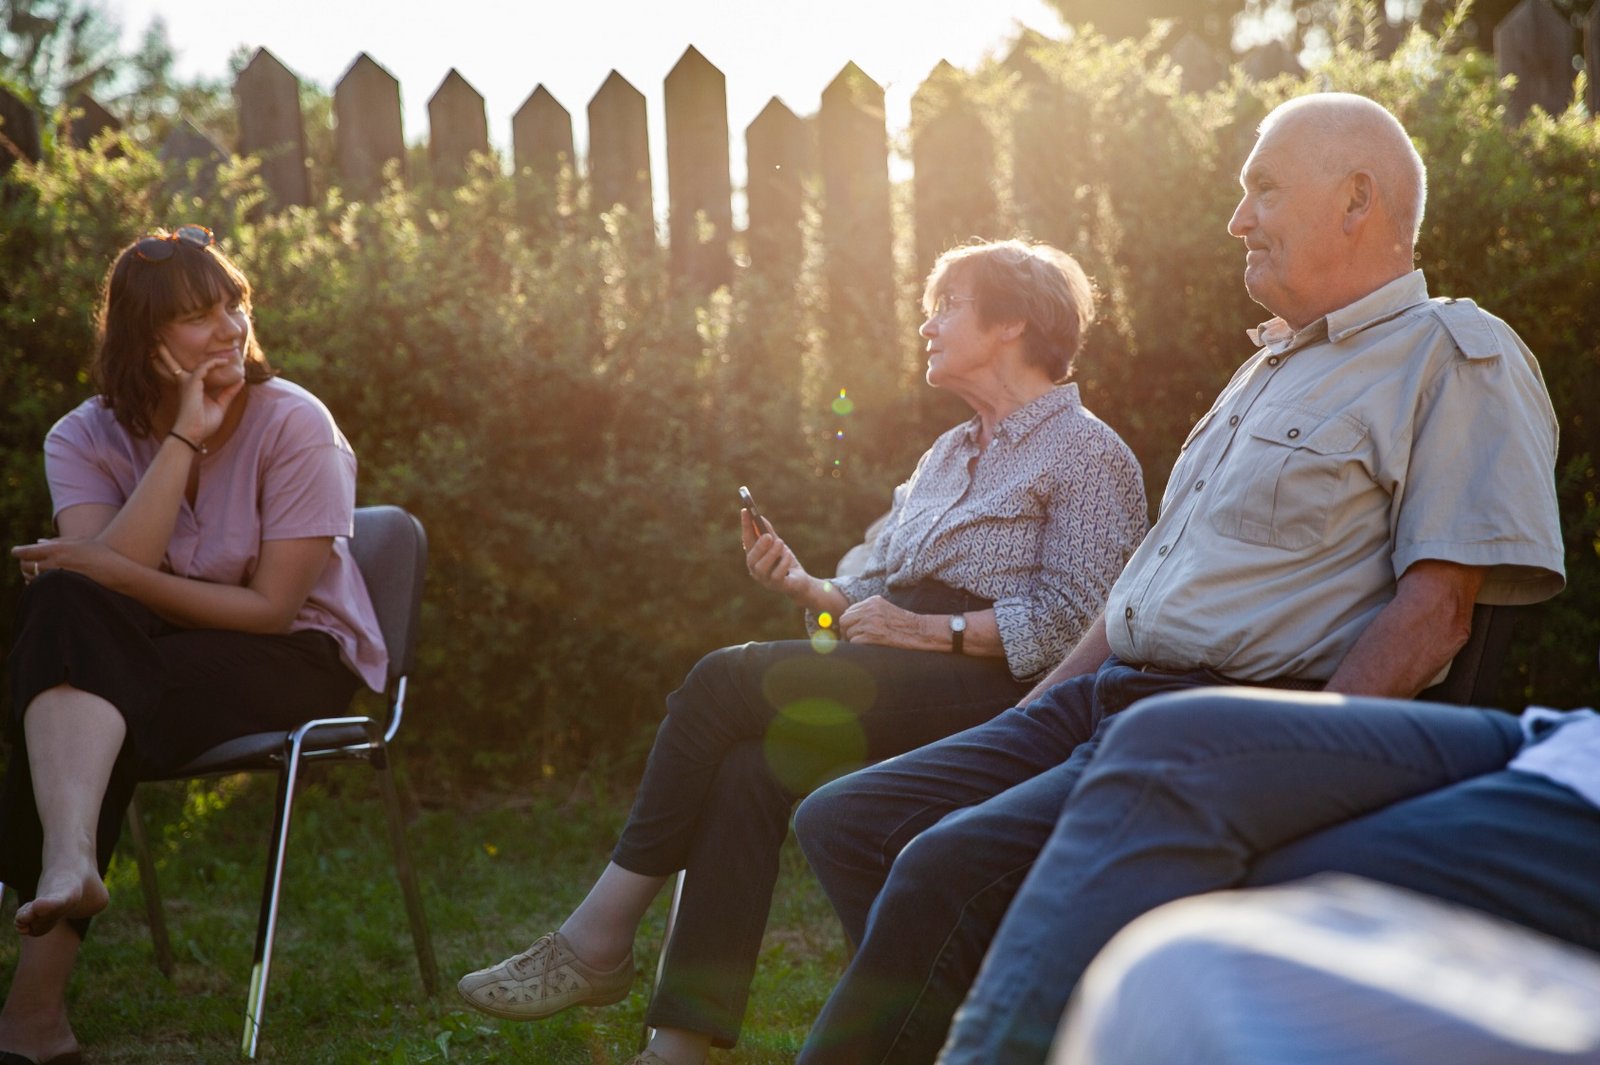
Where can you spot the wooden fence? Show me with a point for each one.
(845, 144)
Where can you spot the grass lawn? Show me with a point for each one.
(344, 984)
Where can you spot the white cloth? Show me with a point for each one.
(1565, 748)
(1332, 971)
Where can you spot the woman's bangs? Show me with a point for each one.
(199, 280)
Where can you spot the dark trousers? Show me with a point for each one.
(1187, 792)
(180, 692)
(752, 729)
(921, 856)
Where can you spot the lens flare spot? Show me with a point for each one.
(844, 404)
(839, 435)
(813, 740)
(825, 619)
(490, 849)
(823, 641)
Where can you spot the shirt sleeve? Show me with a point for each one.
(1480, 482)
(1096, 518)
(309, 487)
(77, 470)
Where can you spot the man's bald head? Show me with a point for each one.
(1349, 133)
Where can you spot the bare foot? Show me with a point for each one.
(62, 896)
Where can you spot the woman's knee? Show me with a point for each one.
(711, 685)
(58, 589)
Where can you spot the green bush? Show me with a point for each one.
(570, 427)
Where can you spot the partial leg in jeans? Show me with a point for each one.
(1512, 844)
(978, 806)
(1181, 797)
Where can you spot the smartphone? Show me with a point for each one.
(749, 501)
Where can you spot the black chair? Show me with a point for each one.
(1475, 672)
(391, 550)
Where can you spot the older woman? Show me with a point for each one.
(201, 589)
(997, 554)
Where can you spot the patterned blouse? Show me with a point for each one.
(1041, 523)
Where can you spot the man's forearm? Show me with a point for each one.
(1085, 657)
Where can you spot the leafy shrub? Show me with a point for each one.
(570, 426)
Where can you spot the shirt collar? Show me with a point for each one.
(1019, 422)
(1379, 305)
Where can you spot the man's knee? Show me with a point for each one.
(1168, 725)
(823, 817)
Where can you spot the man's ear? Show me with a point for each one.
(1013, 330)
(1361, 199)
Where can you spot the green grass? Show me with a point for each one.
(344, 985)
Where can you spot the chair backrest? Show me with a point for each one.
(391, 550)
(1475, 671)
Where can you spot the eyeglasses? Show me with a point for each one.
(946, 305)
(160, 249)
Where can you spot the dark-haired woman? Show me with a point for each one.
(200, 588)
(997, 555)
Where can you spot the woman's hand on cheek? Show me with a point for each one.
(199, 412)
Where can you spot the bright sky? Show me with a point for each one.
(786, 48)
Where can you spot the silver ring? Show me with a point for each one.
(36, 569)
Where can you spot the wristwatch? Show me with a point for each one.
(958, 631)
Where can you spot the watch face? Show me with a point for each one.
(958, 623)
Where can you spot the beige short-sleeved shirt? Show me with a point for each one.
(1393, 430)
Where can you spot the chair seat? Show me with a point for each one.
(264, 750)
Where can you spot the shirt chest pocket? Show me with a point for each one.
(1280, 486)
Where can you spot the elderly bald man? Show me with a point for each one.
(1383, 462)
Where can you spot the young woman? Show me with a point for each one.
(200, 588)
(997, 555)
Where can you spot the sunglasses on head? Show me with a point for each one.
(160, 249)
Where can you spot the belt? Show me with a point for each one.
(1286, 683)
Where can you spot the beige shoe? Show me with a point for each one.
(543, 980)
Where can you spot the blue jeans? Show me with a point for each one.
(921, 855)
(1184, 794)
(1512, 844)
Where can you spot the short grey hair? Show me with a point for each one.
(1356, 133)
(1014, 281)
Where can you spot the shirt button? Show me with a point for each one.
(1128, 613)
(1199, 485)
(1274, 361)
(1233, 420)
(1294, 434)
(1162, 551)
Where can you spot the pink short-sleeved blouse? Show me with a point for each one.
(286, 472)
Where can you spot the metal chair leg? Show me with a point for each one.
(267, 927)
(154, 914)
(407, 873)
(666, 941)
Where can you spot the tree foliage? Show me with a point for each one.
(570, 426)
